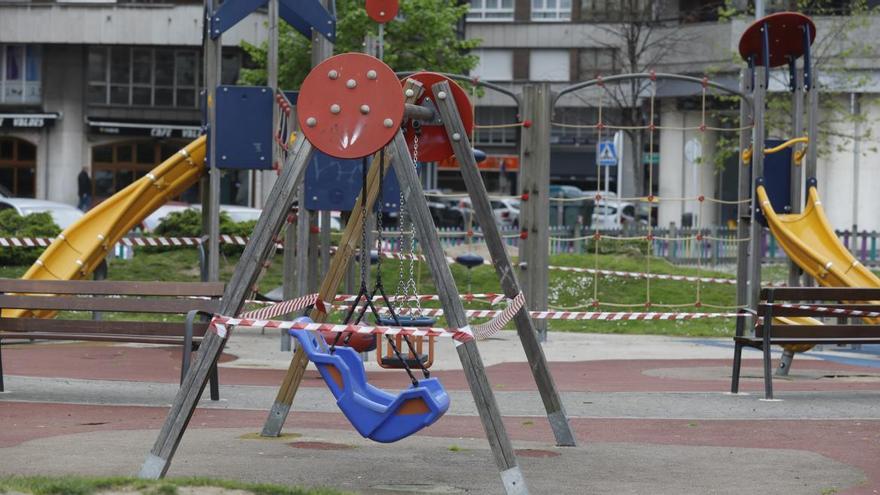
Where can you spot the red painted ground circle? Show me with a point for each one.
(434, 144)
(350, 105)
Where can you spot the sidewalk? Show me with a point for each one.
(651, 415)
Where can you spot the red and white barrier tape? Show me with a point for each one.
(126, 241)
(219, 325)
(493, 326)
(831, 311)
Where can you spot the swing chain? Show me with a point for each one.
(408, 246)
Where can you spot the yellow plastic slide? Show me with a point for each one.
(810, 241)
(80, 248)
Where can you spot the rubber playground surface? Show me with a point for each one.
(651, 415)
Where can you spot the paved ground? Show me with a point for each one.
(652, 415)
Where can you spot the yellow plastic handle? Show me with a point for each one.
(799, 155)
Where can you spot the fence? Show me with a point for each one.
(714, 246)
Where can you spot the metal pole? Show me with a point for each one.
(757, 166)
(211, 204)
(855, 109)
(743, 215)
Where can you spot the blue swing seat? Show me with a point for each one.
(375, 413)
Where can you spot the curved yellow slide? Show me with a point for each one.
(80, 248)
(810, 241)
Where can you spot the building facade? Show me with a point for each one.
(564, 42)
(110, 87)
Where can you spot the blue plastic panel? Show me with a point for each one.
(244, 127)
(777, 179)
(334, 184)
(303, 15)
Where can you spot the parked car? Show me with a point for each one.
(5, 193)
(62, 213)
(615, 215)
(568, 212)
(506, 211)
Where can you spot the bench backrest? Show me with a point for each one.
(820, 302)
(112, 296)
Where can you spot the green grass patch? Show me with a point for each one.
(74, 485)
(575, 291)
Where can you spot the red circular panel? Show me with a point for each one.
(382, 11)
(786, 37)
(434, 145)
(350, 105)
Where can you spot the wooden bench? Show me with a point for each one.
(195, 300)
(769, 333)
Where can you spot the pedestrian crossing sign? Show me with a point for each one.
(606, 154)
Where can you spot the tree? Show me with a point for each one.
(424, 37)
(641, 35)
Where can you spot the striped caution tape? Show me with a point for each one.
(33, 242)
(220, 325)
(830, 311)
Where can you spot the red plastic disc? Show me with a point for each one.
(382, 11)
(350, 105)
(786, 36)
(434, 145)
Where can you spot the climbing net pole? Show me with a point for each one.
(700, 239)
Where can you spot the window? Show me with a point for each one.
(593, 62)
(150, 77)
(616, 10)
(18, 166)
(20, 74)
(130, 76)
(494, 65)
(549, 65)
(117, 165)
(551, 10)
(491, 10)
(495, 116)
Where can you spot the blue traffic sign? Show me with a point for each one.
(606, 154)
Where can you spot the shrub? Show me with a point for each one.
(188, 223)
(34, 225)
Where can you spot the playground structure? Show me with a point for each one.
(369, 106)
(390, 118)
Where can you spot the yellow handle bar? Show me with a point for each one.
(799, 155)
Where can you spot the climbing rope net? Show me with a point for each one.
(603, 95)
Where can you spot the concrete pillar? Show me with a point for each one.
(687, 168)
(66, 149)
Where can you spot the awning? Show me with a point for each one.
(27, 120)
(150, 129)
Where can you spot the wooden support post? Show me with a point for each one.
(534, 253)
(503, 267)
(339, 266)
(325, 242)
(237, 291)
(288, 276)
(502, 449)
(314, 253)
